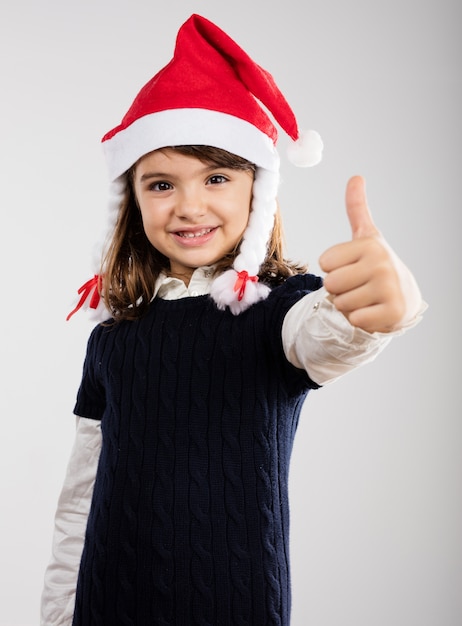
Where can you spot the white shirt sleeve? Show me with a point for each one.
(319, 339)
(58, 595)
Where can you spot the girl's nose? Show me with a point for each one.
(190, 205)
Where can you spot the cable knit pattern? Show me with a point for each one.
(189, 522)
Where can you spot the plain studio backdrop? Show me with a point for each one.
(376, 480)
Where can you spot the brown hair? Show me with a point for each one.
(131, 264)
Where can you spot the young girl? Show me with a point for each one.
(174, 509)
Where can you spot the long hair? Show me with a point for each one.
(131, 265)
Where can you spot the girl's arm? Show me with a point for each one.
(369, 295)
(319, 339)
(58, 596)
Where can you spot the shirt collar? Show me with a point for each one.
(170, 288)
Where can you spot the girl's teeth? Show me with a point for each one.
(198, 234)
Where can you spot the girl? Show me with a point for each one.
(175, 507)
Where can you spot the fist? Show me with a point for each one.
(365, 279)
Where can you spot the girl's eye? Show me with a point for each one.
(217, 179)
(160, 186)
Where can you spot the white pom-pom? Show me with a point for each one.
(307, 150)
(223, 291)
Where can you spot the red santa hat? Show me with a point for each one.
(211, 93)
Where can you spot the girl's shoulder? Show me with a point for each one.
(287, 294)
(297, 286)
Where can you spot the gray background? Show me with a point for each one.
(376, 480)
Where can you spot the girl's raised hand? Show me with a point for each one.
(366, 281)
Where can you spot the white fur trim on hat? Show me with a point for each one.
(179, 127)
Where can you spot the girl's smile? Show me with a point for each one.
(193, 212)
(195, 236)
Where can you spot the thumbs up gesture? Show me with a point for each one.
(365, 279)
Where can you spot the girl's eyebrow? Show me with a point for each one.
(205, 169)
(148, 175)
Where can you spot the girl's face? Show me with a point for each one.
(193, 212)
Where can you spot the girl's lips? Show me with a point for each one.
(194, 236)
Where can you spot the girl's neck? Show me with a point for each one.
(184, 276)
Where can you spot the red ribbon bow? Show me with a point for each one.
(91, 289)
(242, 279)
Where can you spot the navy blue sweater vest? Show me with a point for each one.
(189, 522)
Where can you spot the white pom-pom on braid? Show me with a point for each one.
(237, 290)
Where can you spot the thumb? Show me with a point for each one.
(357, 208)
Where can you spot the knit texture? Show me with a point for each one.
(189, 523)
